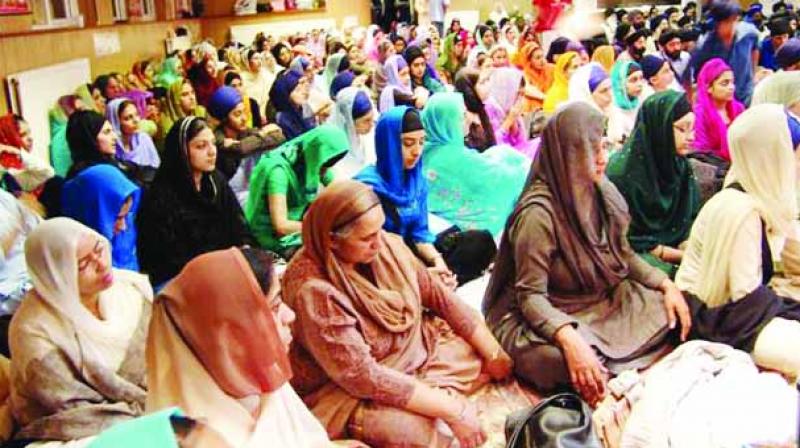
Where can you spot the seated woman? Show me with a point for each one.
(190, 209)
(20, 169)
(505, 107)
(715, 109)
(92, 141)
(728, 263)
(568, 298)
(368, 361)
(398, 181)
(286, 181)
(398, 90)
(538, 75)
(203, 76)
(656, 179)
(17, 223)
(453, 56)
(180, 102)
(474, 191)
(244, 395)
(420, 72)
(58, 116)
(627, 84)
(780, 88)
(591, 85)
(473, 85)
(18, 165)
(289, 96)
(102, 198)
(78, 338)
(355, 114)
(565, 66)
(239, 145)
(132, 145)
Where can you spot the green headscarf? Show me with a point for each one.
(470, 189)
(169, 72)
(152, 430)
(301, 160)
(446, 60)
(172, 112)
(619, 84)
(657, 183)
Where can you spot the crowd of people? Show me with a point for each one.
(344, 234)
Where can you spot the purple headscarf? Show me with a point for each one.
(392, 68)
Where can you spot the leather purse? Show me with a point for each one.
(560, 421)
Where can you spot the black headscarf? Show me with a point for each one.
(82, 130)
(465, 83)
(557, 47)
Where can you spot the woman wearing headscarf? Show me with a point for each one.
(102, 198)
(421, 73)
(370, 364)
(656, 179)
(355, 114)
(256, 80)
(203, 76)
(385, 50)
(568, 298)
(780, 88)
(627, 84)
(171, 71)
(715, 109)
(190, 208)
(592, 85)
(398, 91)
(57, 117)
(289, 96)
(458, 176)
(505, 108)
(244, 395)
(78, 338)
(20, 170)
(605, 55)
(558, 92)
(286, 181)
(728, 264)
(538, 75)
(180, 101)
(92, 141)
(335, 64)
(473, 85)
(453, 57)
(132, 145)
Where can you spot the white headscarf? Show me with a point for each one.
(362, 151)
(579, 85)
(779, 88)
(504, 85)
(51, 252)
(763, 163)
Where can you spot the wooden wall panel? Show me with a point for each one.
(138, 41)
(217, 27)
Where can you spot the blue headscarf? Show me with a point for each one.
(341, 81)
(407, 190)
(95, 197)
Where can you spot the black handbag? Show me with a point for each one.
(560, 421)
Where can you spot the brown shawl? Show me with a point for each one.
(591, 220)
(393, 301)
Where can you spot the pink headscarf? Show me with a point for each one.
(711, 133)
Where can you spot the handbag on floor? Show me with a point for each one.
(560, 421)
